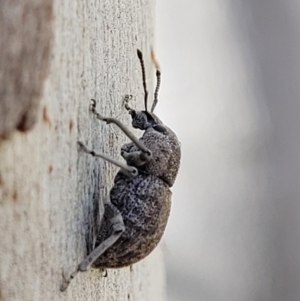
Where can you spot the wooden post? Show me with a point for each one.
(50, 191)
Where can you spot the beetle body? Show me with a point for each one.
(138, 207)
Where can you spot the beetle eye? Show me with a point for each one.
(150, 118)
(132, 113)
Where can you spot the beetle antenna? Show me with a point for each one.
(140, 56)
(158, 80)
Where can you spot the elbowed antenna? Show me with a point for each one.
(158, 80)
(140, 56)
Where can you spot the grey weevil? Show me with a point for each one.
(138, 206)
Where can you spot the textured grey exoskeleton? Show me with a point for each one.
(138, 207)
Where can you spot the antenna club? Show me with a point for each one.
(158, 73)
(139, 54)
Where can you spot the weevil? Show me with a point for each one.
(137, 209)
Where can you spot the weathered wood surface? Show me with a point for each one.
(49, 191)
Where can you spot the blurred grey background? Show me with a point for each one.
(230, 90)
